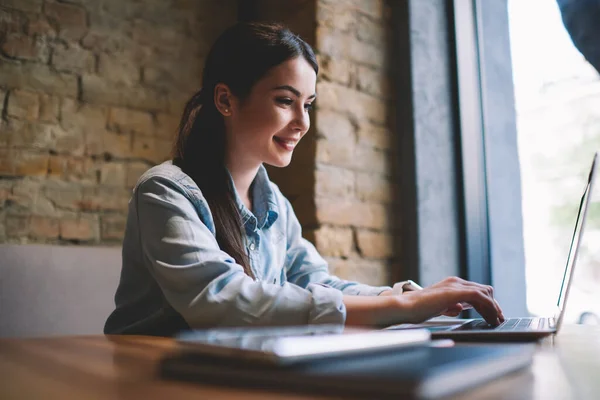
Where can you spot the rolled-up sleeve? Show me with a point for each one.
(204, 284)
(305, 266)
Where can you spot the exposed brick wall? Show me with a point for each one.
(91, 92)
(356, 184)
(342, 180)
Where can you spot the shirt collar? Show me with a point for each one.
(265, 206)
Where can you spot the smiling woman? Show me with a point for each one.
(211, 241)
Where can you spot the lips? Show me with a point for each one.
(285, 143)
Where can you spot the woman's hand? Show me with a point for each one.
(445, 297)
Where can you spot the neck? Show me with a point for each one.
(242, 178)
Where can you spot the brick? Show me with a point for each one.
(373, 160)
(75, 114)
(125, 120)
(375, 136)
(118, 68)
(335, 126)
(19, 134)
(85, 125)
(42, 227)
(336, 141)
(351, 213)
(355, 104)
(23, 105)
(334, 182)
(81, 228)
(49, 108)
(70, 18)
(167, 125)
(372, 187)
(374, 82)
(374, 8)
(72, 169)
(113, 174)
(27, 163)
(24, 48)
(5, 191)
(336, 70)
(333, 241)
(57, 166)
(113, 227)
(33, 6)
(116, 144)
(147, 33)
(37, 77)
(370, 272)
(40, 26)
(6, 164)
(73, 59)
(63, 195)
(17, 226)
(105, 198)
(24, 194)
(151, 149)
(67, 141)
(2, 98)
(169, 78)
(336, 15)
(12, 21)
(97, 90)
(375, 244)
(134, 171)
(340, 45)
(336, 153)
(371, 31)
(82, 170)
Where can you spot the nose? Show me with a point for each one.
(301, 121)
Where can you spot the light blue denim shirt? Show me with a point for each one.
(175, 276)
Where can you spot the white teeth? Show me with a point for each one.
(287, 142)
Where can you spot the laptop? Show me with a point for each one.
(526, 328)
(293, 344)
(339, 361)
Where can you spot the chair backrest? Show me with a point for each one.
(56, 290)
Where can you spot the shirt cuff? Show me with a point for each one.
(328, 305)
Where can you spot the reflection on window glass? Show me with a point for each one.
(557, 97)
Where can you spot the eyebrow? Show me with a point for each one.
(293, 90)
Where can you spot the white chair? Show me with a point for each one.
(56, 290)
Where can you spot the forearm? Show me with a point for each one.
(376, 310)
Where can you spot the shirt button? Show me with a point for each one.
(252, 246)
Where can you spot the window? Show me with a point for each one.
(557, 96)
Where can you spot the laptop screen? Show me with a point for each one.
(577, 234)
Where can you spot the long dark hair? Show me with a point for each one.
(239, 58)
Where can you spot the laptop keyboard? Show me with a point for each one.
(511, 324)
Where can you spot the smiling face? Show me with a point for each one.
(268, 124)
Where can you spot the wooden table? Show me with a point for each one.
(124, 367)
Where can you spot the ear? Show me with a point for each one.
(223, 99)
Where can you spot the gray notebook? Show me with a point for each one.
(419, 370)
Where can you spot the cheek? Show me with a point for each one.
(264, 121)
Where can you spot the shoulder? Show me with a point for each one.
(172, 185)
(169, 172)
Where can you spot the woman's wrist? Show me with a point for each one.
(376, 310)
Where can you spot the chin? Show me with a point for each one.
(279, 162)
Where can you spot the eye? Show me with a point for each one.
(308, 106)
(284, 100)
